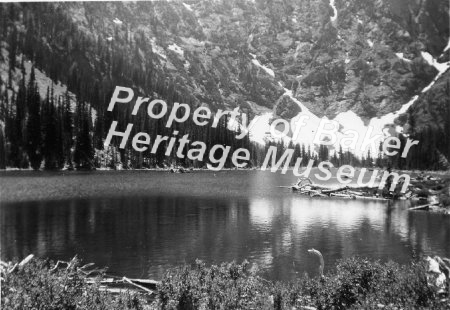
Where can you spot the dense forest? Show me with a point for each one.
(51, 134)
(60, 131)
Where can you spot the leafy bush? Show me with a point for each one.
(360, 283)
(356, 283)
(38, 286)
(228, 286)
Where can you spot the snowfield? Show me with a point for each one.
(348, 120)
(258, 64)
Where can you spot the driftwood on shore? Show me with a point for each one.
(434, 190)
(91, 275)
(332, 191)
(423, 207)
(306, 187)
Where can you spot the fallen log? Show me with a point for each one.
(347, 192)
(342, 196)
(146, 282)
(26, 260)
(103, 281)
(309, 191)
(355, 193)
(138, 286)
(112, 290)
(423, 207)
(331, 191)
(373, 198)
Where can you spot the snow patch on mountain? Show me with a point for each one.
(258, 64)
(334, 17)
(350, 123)
(440, 67)
(380, 123)
(308, 132)
(188, 7)
(117, 21)
(347, 58)
(306, 135)
(349, 120)
(377, 126)
(157, 49)
(176, 49)
(447, 47)
(400, 55)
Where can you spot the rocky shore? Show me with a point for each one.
(434, 189)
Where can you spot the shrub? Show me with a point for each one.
(355, 283)
(360, 283)
(38, 286)
(228, 286)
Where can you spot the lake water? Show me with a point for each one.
(139, 223)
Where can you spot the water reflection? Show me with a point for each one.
(135, 236)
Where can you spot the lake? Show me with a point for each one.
(140, 223)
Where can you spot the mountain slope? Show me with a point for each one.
(356, 61)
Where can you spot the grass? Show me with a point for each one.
(355, 283)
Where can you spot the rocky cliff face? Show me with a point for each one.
(363, 56)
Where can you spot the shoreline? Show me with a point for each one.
(353, 282)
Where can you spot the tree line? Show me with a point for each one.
(61, 132)
(68, 130)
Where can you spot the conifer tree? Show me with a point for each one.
(34, 124)
(67, 120)
(49, 148)
(17, 137)
(84, 151)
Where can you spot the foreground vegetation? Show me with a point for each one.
(355, 283)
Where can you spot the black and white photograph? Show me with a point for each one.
(225, 154)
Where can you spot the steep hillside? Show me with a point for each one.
(357, 61)
(211, 49)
